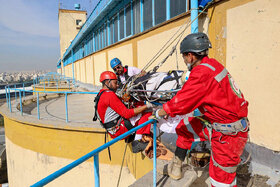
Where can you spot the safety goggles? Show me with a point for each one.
(117, 67)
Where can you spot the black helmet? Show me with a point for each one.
(196, 43)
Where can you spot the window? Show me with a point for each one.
(121, 25)
(136, 16)
(78, 21)
(105, 34)
(128, 20)
(147, 14)
(160, 11)
(102, 38)
(96, 42)
(112, 31)
(177, 7)
(116, 29)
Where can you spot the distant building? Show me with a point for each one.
(70, 23)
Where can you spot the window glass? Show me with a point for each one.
(78, 21)
(102, 36)
(112, 31)
(121, 25)
(96, 41)
(115, 29)
(91, 45)
(128, 19)
(105, 34)
(136, 16)
(160, 11)
(99, 40)
(147, 14)
(177, 7)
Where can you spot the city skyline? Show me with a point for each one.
(29, 37)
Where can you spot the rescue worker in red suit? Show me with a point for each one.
(113, 114)
(211, 89)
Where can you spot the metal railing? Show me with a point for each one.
(95, 154)
(21, 91)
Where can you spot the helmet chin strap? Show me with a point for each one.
(109, 86)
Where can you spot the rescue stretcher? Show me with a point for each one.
(154, 87)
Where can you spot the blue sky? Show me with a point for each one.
(29, 37)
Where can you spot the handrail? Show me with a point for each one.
(95, 152)
(8, 89)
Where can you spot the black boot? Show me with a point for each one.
(138, 146)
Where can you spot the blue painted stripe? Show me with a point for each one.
(96, 170)
(168, 9)
(153, 12)
(194, 15)
(132, 19)
(141, 16)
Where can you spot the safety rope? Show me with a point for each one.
(122, 165)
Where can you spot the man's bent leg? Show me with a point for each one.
(188, 132)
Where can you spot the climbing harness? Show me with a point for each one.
(230, 129)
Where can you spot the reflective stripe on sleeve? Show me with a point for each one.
(221, 75)
(209, 66)
(190, 129)
(219, 184)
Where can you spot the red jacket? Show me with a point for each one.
(110, 107)
(211, 89)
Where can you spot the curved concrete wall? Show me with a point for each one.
(37, 148)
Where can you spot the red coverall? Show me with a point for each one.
(110, 107)
(211, 89)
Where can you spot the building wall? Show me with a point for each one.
(248, 47)
(253, 48)
(68, 28)
(89, 70)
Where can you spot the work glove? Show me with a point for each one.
(150, 105)
(155, 115)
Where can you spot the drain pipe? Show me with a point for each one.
(194, 14)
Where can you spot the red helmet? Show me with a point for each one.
(107, 75)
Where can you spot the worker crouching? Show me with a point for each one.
(113, 114)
